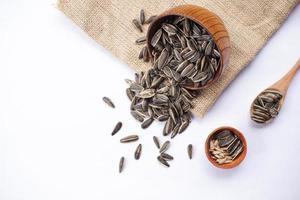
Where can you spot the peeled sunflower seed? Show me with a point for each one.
(147, 93)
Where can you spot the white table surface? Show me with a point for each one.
(55, 138)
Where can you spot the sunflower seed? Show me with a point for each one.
(121, 164)
(162, 118)
(129, 94)
(148, 93)
(187, 69)
(164, 147)
(142, 16)
(141, 40)
(168, 127)
(162, 59)
(169, 28)
(156, 37)
(209, 48)
(117, 128)
(166, 156)
(163, 161)
(147, 123)
(190, 151)
(108, 102)
(146, 54)
(150, 19)
(137, 25)
(138, 151)
(130, 138)
(136, 115)
(156, 142)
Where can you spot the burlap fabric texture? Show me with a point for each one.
(250, 24)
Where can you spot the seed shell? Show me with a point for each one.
(164, 147)
(137, 25)
(108, 102)
(117, 128)
(190, 151)
(130, 138)
(142, 16)
(138, 151)
(166, 156)
(156, 142)
(121, 164)
(163, 161)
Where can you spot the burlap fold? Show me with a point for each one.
(250, 24)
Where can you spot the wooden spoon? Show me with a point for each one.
(280, 86)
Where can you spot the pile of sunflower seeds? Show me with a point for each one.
(225, 147)
(266, 106)
(155, 97)
(183, 52)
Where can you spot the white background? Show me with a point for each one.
(55, 140)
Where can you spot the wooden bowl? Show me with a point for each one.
(206, 19)
(238, 159)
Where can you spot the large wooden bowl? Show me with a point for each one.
(238, 159)
(208, 20)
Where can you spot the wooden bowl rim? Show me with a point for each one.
(171, 13)
(239, 158)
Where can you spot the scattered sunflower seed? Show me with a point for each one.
(190, 151)
(142, 16)
(121, 164)
(164, 147)
(137, 25)
(138, 151)
(130, 138)
(163, 161)
(117, 128)
(108, 102)
(156, 142)
(166, 156)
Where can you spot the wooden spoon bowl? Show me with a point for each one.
(206, 19)
(238, 159)
(281, 86)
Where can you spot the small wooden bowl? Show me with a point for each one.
(238, 159)
(206, 19)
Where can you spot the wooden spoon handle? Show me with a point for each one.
(283, 84)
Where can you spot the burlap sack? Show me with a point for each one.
(250, 24)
